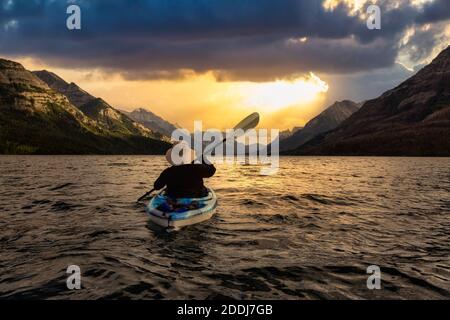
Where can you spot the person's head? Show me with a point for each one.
(180, 154)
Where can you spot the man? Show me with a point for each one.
(184, 179)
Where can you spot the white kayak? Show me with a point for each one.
(177, 213)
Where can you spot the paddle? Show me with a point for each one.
(145, 195)
(240, 129)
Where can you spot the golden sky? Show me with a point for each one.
(219, 104)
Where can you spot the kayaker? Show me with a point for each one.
(183, 179)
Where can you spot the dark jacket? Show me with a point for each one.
(185, 181)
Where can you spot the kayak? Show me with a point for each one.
(173, 213)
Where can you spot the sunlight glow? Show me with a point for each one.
(282, 104)
(282, 93)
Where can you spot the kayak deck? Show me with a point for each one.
(176, 213)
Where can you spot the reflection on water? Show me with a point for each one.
(308, 232)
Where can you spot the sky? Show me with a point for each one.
(218, 60)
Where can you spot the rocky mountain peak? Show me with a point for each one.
(443, 59)
(77, 96)
(412, 119)
(13, 73)
(38, 118)
(8, 64)
(326, 121)
(49, 77)
(438, 67)
(152, 121)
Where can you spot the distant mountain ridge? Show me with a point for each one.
(151, 121)
(138, 121)
(95, 108)
(35, 119)
(288, 133)
(77, 96)
(324, 122)
(412, 119)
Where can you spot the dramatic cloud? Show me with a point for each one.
(365, 85)
(237, 39)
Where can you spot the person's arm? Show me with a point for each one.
(161, 182)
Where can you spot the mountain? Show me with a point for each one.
(96, 108)
(324, 122)
(288, 133)
(114, 120)
(77, 96)
(151, 121)
(412, 119)
(35, 119)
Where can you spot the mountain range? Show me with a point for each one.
(412, 119)
(324, 122)
(151, 121)
(42, 114)
(140, 121)
(96, 108)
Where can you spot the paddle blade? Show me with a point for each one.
(248, 123)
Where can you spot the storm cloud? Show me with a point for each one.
(237, 39)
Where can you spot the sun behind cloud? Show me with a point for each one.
(273, 96)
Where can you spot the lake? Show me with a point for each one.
(308, 232)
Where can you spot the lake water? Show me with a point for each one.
(309, 232)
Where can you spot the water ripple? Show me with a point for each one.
(309, 232)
